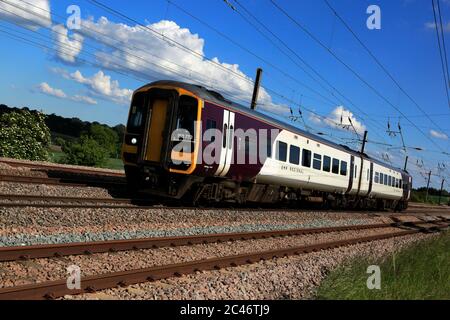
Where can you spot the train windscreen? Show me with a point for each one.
(136, 117)
(186, 117)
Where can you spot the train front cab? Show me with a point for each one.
(161, 118)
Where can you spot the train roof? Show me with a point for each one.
(217, 98)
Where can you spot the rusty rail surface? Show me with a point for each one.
(72, 202)
(58, 288)
(60, 168)
(14, 253)
(36, 180)
(65, 249)
(80, 181)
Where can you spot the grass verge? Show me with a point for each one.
(415, 273)
(111, 163)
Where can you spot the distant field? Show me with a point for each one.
(420, 272)
(57, 156)
(432, 199)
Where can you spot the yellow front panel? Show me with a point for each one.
(157, 124)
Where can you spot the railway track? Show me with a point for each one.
(48, 167)
(65, 249)
(80, 181)
(39, 201)
(58, 288)
(71, 202)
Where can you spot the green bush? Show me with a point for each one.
(24, 135)
(106, 137)
(59, 141)
(87, 152)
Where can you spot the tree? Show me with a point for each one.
(87, 151)
(106, 137)
(59, 141)
(24, 135)
(120, 130)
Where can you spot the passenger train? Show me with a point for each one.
(297, 167)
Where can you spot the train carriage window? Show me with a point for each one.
(326, 163)
(317, 161)
(230, 140)
(355, 171)
(224, 135)
(377, 177)
(385, 179)
(269, 147)
(281, 151)
(294, 155)
(400, 183)
(306, 158)
(335, 168)
(381, 178)
(396, 183)
(246, 145)
(393, 182)
(389, 181)
(343, 168)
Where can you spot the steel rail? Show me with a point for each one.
(61, 169)
(81, 181)
(36, 180)
(14, 253)
(58, 288)
(26, 197)
(65, 249)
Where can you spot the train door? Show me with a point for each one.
(226, 151)
(155, 109)
(352, 172)
(370, 178)
(156, 129)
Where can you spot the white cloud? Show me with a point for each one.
(438, 134)
(101, 85)
(45, 88)
(67, 48)
(31, 16)
(145, 55)
(333, 120)
(432, 25)
(84, 99)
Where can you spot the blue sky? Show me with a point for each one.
(93, 77)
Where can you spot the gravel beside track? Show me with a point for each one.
(23, 172)
(52, 190)
(294, 277)
(37, 270)
(27, 226)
